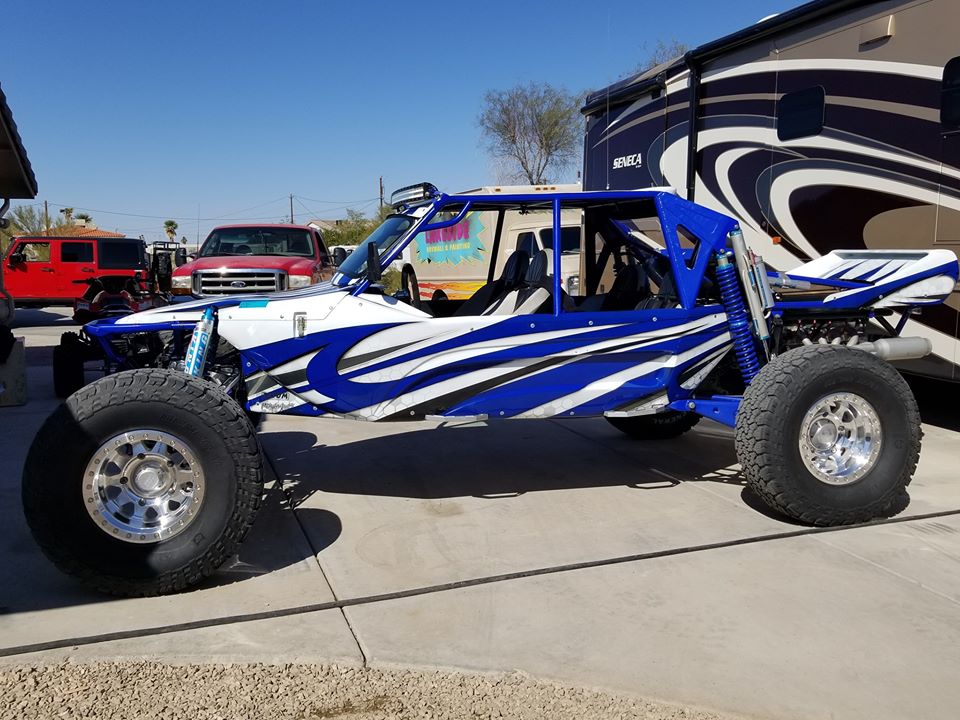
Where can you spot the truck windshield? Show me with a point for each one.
(384, 237)
(258, 241)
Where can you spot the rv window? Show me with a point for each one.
(800, 113)
(950, 98)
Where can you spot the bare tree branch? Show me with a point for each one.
(536, 126)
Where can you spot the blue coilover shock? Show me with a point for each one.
(737, 318)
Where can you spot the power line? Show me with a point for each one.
(334, 202)
(225, 216)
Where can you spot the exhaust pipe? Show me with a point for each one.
(898, 348)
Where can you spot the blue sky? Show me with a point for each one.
(171, 109)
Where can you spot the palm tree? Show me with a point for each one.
(170, 228)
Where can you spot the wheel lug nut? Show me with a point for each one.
(140, 456)
(123, 481)
(143, 502)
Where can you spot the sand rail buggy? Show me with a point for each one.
(147, 480)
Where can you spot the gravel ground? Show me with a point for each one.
(144, 690)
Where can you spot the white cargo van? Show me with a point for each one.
(455, 261)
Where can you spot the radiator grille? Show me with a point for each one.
(238, 282)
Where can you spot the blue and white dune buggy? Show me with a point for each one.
(147, 480)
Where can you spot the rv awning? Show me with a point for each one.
(17, 181)
(636, 86)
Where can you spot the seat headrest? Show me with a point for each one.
(515, 269)
(540, 267)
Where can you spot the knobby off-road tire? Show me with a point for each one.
(660, 426)
(68, 358)
(204, 437)
(826, 389)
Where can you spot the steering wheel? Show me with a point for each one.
(410, 286)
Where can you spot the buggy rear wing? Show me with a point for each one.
(877, 278)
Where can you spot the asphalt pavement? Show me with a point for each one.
(558, 548)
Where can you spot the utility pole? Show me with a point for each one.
(381, 194)
(291, 208)
(46, 217)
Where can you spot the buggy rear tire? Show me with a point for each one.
(143, 482)
(829, 435)
(660, 426)
(68, 359)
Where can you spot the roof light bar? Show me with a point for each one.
(413, 194)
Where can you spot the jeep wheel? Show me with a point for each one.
(829, 435)
(143, 482)
(68, 359)
(661, 426)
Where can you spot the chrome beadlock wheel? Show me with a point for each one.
(840, 438)
(143, 486)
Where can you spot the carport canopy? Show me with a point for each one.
(17, 181)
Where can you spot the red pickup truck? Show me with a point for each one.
(237, 259)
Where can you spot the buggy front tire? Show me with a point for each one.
(659, 426)
(143, 482)
(829, 435)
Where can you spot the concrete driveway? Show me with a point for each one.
(558, 548)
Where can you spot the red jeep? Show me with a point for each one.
(51, 270)
(255, 259)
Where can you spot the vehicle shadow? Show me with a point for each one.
(43, 317)
(506, 460)
(503, 460)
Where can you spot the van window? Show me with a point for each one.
(76, 252)
(569, 239)
(800, 113)
(950, 96)
(527, 242)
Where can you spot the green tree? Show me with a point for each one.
(26, 220)
(351, 231)
(536, 128)
(86, 217)
(170, 228)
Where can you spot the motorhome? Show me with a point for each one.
(454, 262)
(833, 125)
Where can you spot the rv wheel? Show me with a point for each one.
(829, 435)
(143, 482)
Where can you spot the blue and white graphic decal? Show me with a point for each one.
(528, 366)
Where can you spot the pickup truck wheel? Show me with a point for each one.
(68, 358)
(829, 435)
(143, 482)
(660, 426)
